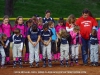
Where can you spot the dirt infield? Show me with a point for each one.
(55, 70)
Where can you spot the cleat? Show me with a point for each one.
(20, 66)
(2, 66)
(71, 64)
(92, 64)
(49, 65)
(96, 64)
(44, 65)
(67, 65)
(61, 65)
(37, 65)
(85, 64)
(77, 64)
(31, 65)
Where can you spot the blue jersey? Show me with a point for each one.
(93, 39)
(45, 35)
(54, 36)
(64, 41)
(33, 35)
(16, 39)
(46, 20)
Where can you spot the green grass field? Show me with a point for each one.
(59, 8)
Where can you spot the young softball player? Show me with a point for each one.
(64, 47)
(35, 19)
(2, 52)
(40, 26)
(17, 47)
(76, 41)
(0, 28)
(70, 23)
(34, 37)
(53, 41)
(28, 25)
(61, 25)
(19, 23)
(94, 48)
(46, 34)
(6, 29)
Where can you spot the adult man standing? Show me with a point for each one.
(86, 24)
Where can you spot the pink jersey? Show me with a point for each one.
(59, 27)
(26, 30)
(73, 35)
(6, 29)
(98, 35)
(0, 29)
(22, 29)
(40, 27)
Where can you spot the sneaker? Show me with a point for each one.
(85, 64)
(77, 64)
(31, 65)
(3, 66)
(20, 65)
(67, 65)
(44, 65)
(14, 66)
(50, 65)
(92, 64)
(61, 65)
(96, 64)
(71, 64)
(37, 65)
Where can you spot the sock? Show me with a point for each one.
(20, 61)
(67, 62)
(44, 61)
(61, 61)
(71, 60)
(37, 62)
(49, 61)
(14, 62)
(76, 60)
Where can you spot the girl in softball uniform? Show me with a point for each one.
(65, 39)
(75, 43)
(28, 25)
(33, 38)
(2, 52)
(59, 26)
(94, 47)
(46, 34)
(6, 29)
(19, 23)
(17, 47)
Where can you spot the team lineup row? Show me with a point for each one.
(42, 38)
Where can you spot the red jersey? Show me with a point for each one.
(68, 25)
(86, 26)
